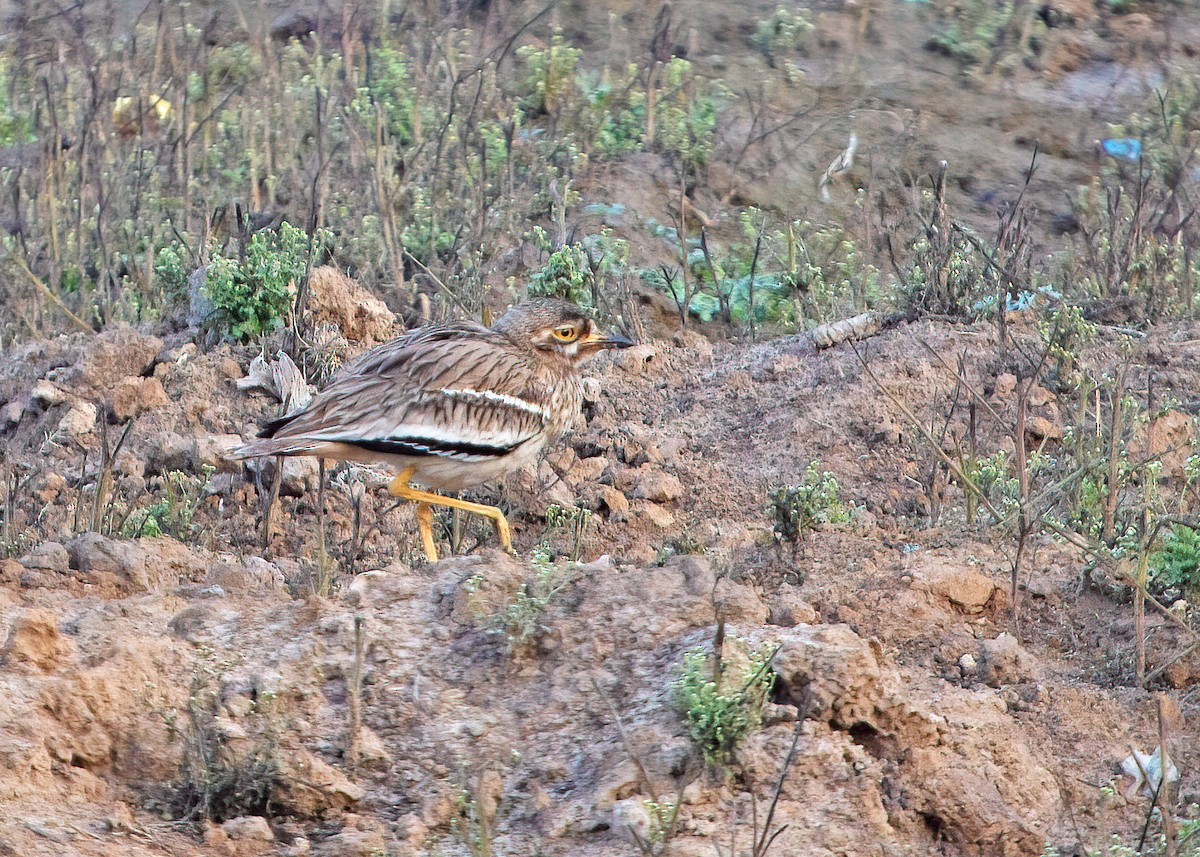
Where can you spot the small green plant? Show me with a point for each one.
(801, 509)
(173, 514)
(569, 524)
(550, 74)
(782, 35)
(170, 274)
(1176, 563)
(252, 297)
(524, 620)
(990, 35)
(566, 274)
(663, 815)
(686, 114)
(722, 704)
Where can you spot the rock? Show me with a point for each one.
(1039, 429)
(229, 369)
(78, 423)
(657, 486)
(115, 353)
(353, 843)
(788, 609)
(169, 452)
(34, 641)
(1006, 385)
(1005, 661)
(1172, 441)
(253, 828)
(300, 474)
(135, 395)
(10, 414)
(654, 514)
(309, 788)
(698, 578)
(46, 394)
(591, 391)
(834, 676)
(615, 502)
(968, 665)
(124, 567)
(212, 450)
(631, 820)
(738, 603)
(970, 591)
(48, 556)
(333, 298)
(637, 359)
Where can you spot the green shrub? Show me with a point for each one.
(566, 275)
(722, 710)
(1176, 564)
(550, 74)
(253, 297)
(800, 509)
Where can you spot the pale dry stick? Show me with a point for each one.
(445, 289)
(49, 295)
(1168, 712)
(354, 697)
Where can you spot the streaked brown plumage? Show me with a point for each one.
(450, 405)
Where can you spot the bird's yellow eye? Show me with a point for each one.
(566, 333)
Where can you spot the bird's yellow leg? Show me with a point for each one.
(425, 525)
(401, 490)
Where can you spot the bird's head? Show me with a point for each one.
(557, 326)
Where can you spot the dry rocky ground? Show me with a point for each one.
(145, 678)
(125, 658)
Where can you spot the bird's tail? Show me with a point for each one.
(274, 446)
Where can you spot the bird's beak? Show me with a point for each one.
(612, 339)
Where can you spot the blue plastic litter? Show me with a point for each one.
(1123, 149)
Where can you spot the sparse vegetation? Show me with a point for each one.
(721, 698)
(800, 509)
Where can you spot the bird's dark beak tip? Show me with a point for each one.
(617, 339)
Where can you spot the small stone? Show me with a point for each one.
(48, 556)
(788, 609)
(333, 298)
(248, 828)
(46, 394)
(616, 502)
(11, 414)
(212, 450)
(631, 820)
(1006, 385)
(1005, 661)
(591, 391)
(738, 603)
(588, 469)
(229, 368)
(637, 359)
(654, 514)
(79, 422)
(49, 487)
(169, 452)
(968, 664)
(34, 641)
(657, 486)
(300, 476)
(134, 395)
(969, 590)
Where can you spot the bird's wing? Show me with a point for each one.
(456, 391)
